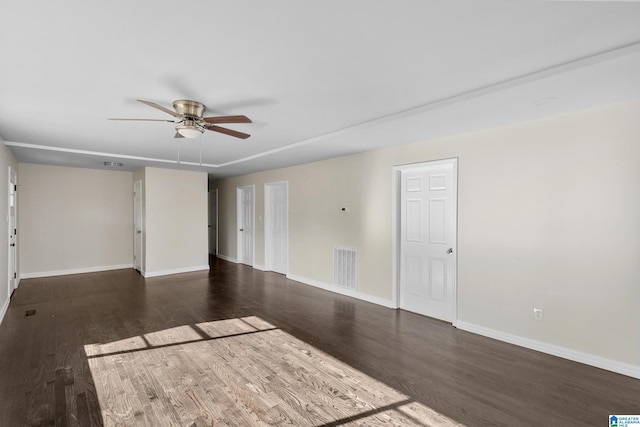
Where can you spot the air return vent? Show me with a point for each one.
(345, 266)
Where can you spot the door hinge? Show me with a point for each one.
(15, 231)
(15, 275)
(15, 187)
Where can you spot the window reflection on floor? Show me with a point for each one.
(241, 371)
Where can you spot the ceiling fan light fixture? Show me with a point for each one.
(189, 129)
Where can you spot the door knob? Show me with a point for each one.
(450, 251)
(242, 229)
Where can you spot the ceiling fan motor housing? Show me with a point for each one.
(190, 109)
(192, 112)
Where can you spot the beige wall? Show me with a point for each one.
(6, 160)
(72, 219)
(175, 221)
(548, 217)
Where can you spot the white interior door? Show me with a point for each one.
(13, 240)
(245, 224)
(428, 195)
(276, 227)
(137, 225)
(213, 222)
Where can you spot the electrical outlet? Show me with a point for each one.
(538, 314)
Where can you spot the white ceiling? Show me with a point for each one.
(319, 78)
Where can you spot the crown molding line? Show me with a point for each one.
(586, 61)
(102, 154)
(565, 67)
(86, 152)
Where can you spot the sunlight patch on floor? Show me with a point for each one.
(241, 371)
(127, 344)
(172, 336)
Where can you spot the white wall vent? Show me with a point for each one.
(345, 265)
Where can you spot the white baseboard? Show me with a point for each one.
(74, 271)
(555, 350)
(343, 291)
(260, 267)
(227, 258)
(566, 353)
(148, 274)
(4, 309)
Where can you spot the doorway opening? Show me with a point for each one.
(213, 223)
(276, 241)
(13, 232)
(137, 226)
(246, 224)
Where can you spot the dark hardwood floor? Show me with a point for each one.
(236, 346)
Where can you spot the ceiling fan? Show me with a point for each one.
(190, 123)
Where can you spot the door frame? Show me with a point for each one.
(12, 282)
(396, 176)
(268, 237)
(137, 223)
(239, 251)
(213, 193)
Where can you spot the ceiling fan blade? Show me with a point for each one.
(146, 120)
(160, 107)
(227, 119)
(230, 132)
(177, 135)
